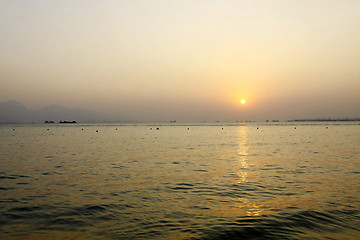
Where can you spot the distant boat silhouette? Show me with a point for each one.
(67, 122)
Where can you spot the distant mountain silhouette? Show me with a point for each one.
(14, 112)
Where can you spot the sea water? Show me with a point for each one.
(297, 180)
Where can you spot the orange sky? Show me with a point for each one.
(187, 60)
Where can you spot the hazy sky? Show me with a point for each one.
(184, 59)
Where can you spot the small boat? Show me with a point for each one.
(67, 122)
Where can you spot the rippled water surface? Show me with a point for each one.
(224, 181)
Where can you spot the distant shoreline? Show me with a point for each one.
(326, 120)
(197, 123)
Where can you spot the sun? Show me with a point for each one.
(243, 101)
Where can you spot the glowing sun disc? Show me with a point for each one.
(243, 101)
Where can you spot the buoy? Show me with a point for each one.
(257, 128)
(97, 130)
(157, 128)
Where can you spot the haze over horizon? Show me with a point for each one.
(186, 60)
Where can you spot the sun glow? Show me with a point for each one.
(243, 101)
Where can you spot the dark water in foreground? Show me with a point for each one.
(208, 182)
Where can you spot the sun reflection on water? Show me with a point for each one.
(243, 152)
(246, 206)
(250, 208)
